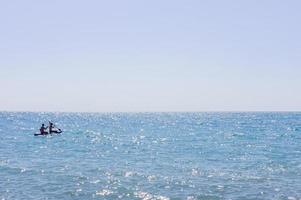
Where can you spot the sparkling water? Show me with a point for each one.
(151, 156)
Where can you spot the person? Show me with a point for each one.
(51, 128)
(43, 130)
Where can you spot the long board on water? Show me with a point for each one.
(37, 134)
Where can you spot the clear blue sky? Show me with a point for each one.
(134, 55)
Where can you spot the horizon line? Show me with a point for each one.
(197, 111)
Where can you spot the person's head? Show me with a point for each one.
(43, 125)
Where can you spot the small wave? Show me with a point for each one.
(195, 172)
(4, 162)
(104, 192)
(148, 196)
(151, 178)
(128, 174)
(95, 181)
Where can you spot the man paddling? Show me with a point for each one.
(51, 127)
(43, 130)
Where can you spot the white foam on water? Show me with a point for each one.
(194, 172)
(148, 196)
(104, 192)
(151, 178)
(23, 170)
(95, 181)
(128, 174)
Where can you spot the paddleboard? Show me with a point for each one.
(37, 134)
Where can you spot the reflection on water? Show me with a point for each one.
(151, 156)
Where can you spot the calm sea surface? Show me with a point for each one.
(151, 156)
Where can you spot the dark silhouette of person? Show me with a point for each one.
(43, 130)
(51, 128)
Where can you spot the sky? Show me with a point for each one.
(150, 56)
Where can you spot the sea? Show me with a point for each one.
(151, 156)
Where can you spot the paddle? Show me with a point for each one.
(53, 125)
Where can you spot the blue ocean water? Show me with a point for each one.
(149, 156)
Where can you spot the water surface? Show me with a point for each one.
(151, 156)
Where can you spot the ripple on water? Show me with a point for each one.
(148, 196)
(151, 156)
